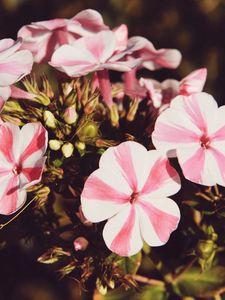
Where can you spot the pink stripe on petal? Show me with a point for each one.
(159, 174)
(162, 222)
(124, 159)
(194, 166)
(95, 188)
(12, 67)
(172, 134)
(4, 171)
(96, 47)
(37, 142)
(191, 105)
(219, 135)
(121, 243)
(6, 145)
(220, 159)
(8, 200)
(32, 173)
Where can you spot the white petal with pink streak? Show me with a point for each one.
(122, 232)
(158, 219)
(128, 159)
(11, 198)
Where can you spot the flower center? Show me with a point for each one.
(205, 141)
(133, 197)
(17, 169)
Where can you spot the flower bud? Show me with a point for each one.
(80, 244)
(55, 144)
(88, 131)
(70, 115)
(67, 149)
(80, 146)
(13, 106)
(49, 119)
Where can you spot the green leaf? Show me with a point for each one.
(130, 265)
(201, 284)
(151, 293)
(146, 293)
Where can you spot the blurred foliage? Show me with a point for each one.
(195, 27)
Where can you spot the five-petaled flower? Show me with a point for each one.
(194, 127)
(21, 162)
(14, 65)
(42, 38)
(130, 189)
(97, 53)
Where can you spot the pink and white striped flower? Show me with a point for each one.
(43, 38)
(21, 162)
(194, 127)
(152, 58)
(14, 65)
(97, 53)
(130, 189)
(161, 93)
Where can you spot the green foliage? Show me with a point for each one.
(201, 284)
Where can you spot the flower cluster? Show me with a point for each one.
(89, 114)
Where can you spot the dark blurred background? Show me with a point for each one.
(195, 27)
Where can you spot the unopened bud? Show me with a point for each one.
(88, 131)
(80, 244)
(71, 96)
(13, 106)
(70, 115)
(55, 144)
(67, 149)
(132, 110)
(114, 115)
(49, 119)
(102, 289)
(80, 146)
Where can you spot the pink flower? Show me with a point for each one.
(130, 189)
(21, 162)
(153, 59)
(194, 126)
(96, 53)
(14, 65)
(42, 38)
(161, 93)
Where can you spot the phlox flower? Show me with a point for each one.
(193, 129)
(21, 162)
(130, 190)
(42, 38)
(152, 58)
(161, 93)
(96, 53)
(14, 65)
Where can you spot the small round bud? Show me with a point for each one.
(88, 132)
(80, 146)
(55, 144)
(80, 244)
(49, 119)
(67, 149)
(70, 115)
